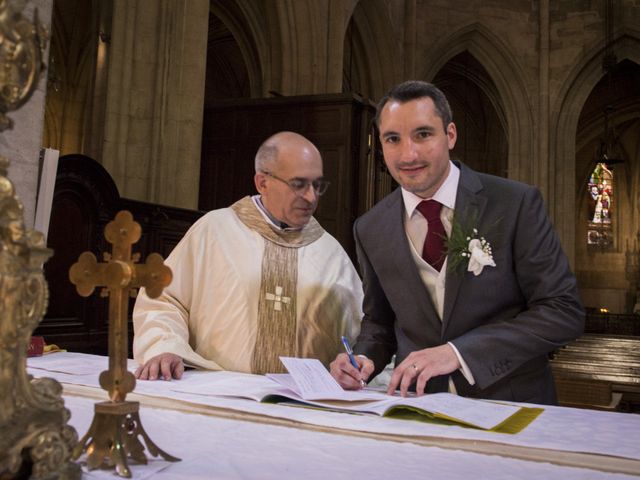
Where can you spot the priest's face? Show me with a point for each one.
(286, 189)
(416, 145)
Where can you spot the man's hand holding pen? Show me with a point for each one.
(350, 371)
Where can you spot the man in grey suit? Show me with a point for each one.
(480, 315)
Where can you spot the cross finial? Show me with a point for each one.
(113, 435)
(119, 274)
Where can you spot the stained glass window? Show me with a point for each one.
(600, 189)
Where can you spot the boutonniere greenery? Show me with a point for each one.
(467, 247)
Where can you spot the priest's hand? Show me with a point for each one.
(420, 366)
(164, 366)
(349, 377)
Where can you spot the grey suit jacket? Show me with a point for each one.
(503, 322)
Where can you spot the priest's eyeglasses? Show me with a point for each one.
(301, 185)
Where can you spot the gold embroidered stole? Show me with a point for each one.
(277, 333)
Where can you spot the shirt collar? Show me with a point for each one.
(270, 218)
(446, 194)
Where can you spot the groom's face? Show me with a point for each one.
(416, 144)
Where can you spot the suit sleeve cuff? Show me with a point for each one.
(464, 368)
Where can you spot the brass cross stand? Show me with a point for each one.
(113, 435)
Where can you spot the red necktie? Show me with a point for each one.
(434, 250)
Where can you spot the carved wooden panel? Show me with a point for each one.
(85, 200)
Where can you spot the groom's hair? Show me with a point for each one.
(412, 90)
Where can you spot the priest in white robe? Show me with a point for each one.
(255, 281)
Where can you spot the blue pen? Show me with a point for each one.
(352, 359)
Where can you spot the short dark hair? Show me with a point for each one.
(412, 90)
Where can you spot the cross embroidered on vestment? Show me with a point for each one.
(277, 299)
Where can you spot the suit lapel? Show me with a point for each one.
(396, 243)
(470, 206)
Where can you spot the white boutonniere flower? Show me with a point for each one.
(471, 249)
(479, 253)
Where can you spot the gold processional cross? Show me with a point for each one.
(113, 435)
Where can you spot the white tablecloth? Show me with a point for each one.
(218, 448)
(212, 446)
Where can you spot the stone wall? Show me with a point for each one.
(22, 144)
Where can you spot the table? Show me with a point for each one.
(235, 438)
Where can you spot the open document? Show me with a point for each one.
(309, 384)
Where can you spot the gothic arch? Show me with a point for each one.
(377, 61)
(287, 49)
(244, 21)
(508, 77)
(478, 113)
(74, 64)
(570, 100)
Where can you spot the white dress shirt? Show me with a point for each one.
(416, 227)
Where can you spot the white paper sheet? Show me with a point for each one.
(46, 187)
(312, 381)
(472, 412)
(71, 363)
(312, 378)
(228, 384)
(475, 412)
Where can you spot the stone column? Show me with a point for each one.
(409, 40)
(21, 144)
(541, 167)
(306, 45)
(155, 97)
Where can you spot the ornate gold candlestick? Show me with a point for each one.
(113, 435)
(36, 441)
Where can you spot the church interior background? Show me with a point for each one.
(525, 80)
(539, 90)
